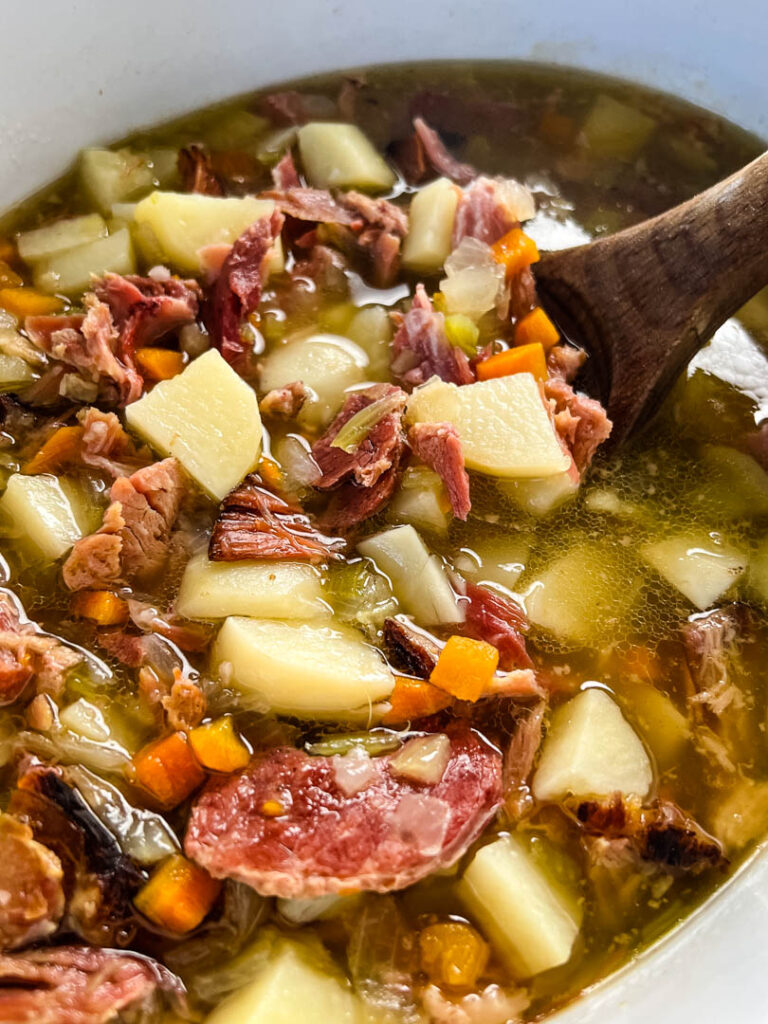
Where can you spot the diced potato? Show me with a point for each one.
(38, 506)
(320, 908)
(235, 130)
(69, 272)
(371, 329)
(116, 176)
(530, 921)
(208, 418)
(666, 730)
(422, 500)
(418, 577)
(301, 668)
(293, 986)
(581, 596)
(60, 236)
(15, 372)
(701, 568)
(431, 217)
(504, 427)
(615, 130)
(541, 495)
(280, 590)
(591, 750)
(339, 155)
(500, 560)
(741, 817)
(736, 484)
(326, 363)
(183, 223)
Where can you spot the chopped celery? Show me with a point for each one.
(70, 272)
(60, 236)
(462, 332)
(15, 373)
(359, 426)
(359, 594)
(377, 741)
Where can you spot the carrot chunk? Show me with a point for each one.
(536, 327)
(522, 359)
(27, 302)
(9, 278)
(167, 769)
(178, 896)
(218, 747)
(61, 449)
(414, 698)
(465, 668)
(100, 606)
(515, 251)
(159, 363)
(453, 954)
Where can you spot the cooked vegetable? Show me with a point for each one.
(734, 483)
(178, 895)
(281, 590)
(541, 495)
(217, 747)
(521, 359)
(42, 512)
(495, 561)
(159, 363)
(22, 302)
(301, 668)
(431, 216)
(322, 908)
(515, 251)
(9, 278)
(15, 373)
(758, 572)
(412, 699)
(371, 329)
(422, 759)
(473, 280)
(665, 730)
(69, 272)
(503, 424)
(116, 176)
(359, 426)
(324, 363)
(462, 333)
(60, 236)
(614, 130)
(700, 566)
(465, 668)
(531, 922)
(422, 501)
(86, 720)
(100, 606)
(418, 578)
(168, 770)
(452, 954)
(339, 155)
(60, 449)
(207, 418)
(591, 751)
(536, 328)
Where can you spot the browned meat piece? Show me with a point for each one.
(26, 654)
(385, 835)
(105, 446)
(323, 271)
(581, 422)
(189, 636)
(196, 172)
(710, 640)
(253, 522)
(132, 543)
(438, 445)
(498, 621)
(437, 156)
(662, 833)
(99, 880)
(286, 108)
(31, 893)
(127, 648)
(565, 361)
(77, 985)
(284, 173)
(409, 649)
(285, 403)
(351, 505)
(312, 204)
(483, 213)
(380, 449)
(144, 309)
(185, 705)
(519, 758)
(237, 291)
(420, 349)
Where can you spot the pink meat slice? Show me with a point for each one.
(420, 348)
(438, 445)
(387, 835)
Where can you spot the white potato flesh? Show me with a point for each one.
(702, 569)
(326, 363)
(69, 272)
(615, 130)
(277, 590)
(499, 561)
(371, 329)
(736, 483)
(531, 923)
(302, 668)
(431, 216)
(113, 176)
(422, 501)
(64, 234)
(503, 424)
(666, 730)
(418, 578)
(291, 987)
(39, 508)
(208, 418)
(591, 751)
(540, 496)
(184, 223)
(339, 155)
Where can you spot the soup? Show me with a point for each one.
(346, 671)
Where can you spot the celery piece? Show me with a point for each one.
(462, 333)
(15, 373)
(377, 741)
(359, 426)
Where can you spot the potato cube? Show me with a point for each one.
(69, 272)
(38, 506)
(428, 243)
(702, 568)
(339, 155)
(60, 236)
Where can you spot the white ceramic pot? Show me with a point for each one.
(74, 72)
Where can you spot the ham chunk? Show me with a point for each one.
(132, 543)
(581, 422)
(196, 172)
(485, 212)
(438, 157)
(438, 445)
(420, 349)
(106, 447)
(384, 836)
(31, 893)
(499, 621)
(145, 309)
(26, 654)
(285, 403)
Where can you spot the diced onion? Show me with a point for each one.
(86, 720)
(473, 279)
(353, 771)
(423, 759)
(517, 198)
(295, 459)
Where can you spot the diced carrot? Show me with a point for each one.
(9, 278)
(522, 359)
(414, 698)
(178, 896)
(272, 809)
(27, 302)
(100, 606)
(557, 129)
(271, 473)
(159, 363)
(453, 954)
(465, 668)
(515, 251)
(167, 769)
(218, 747)
(536, 327)
(61, 449)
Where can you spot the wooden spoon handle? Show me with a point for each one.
(645, 300)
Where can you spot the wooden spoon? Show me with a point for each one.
(644, 301)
